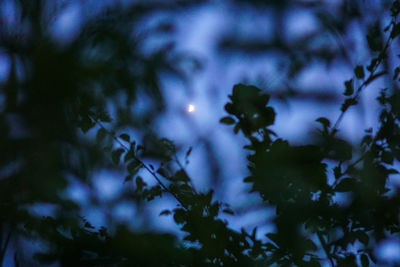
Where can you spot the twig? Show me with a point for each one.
(4, 248)
(147, 168)
(325, 248)
(372, 76)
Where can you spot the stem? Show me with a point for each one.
(372, 76)
(324, 246)
(147, 168)
(4, 248)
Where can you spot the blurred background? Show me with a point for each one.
(136, 66)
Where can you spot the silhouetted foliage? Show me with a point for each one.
(68, 109)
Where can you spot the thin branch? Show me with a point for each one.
(372, 76)
(147, 168)
(4, 248)
(325, 248)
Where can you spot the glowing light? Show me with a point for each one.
(191, 108)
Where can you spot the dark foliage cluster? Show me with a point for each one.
(64, 111)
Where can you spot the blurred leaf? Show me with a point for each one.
(133, 167)
(165, 212)
(125, 137)
(324, 121)
(116, 155)
(359, 72)
(349, 88)
(227, 120)
(101, 134)
(345, 185)
(364, 260)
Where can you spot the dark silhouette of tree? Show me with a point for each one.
(65, 108)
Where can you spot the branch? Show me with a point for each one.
(372, 76)
(4, 248)
(324, 246)
(147, 168)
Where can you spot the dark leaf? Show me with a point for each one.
(359, 71)
(104, 116)
(364, 260)
(227, 120)
(140, 184)
(345, 185)
(125, 137)
(131, 153)
(374, 38)
(309, 245)
(181, 176)
(101, 134)
(163, 172)
(228, 211)
(396, 73)
(387, 157)
(188, 152)
(337, 172)
(363, 237)
(165, 212)
(324, 121)
(116, 155)
(128, 178)
(395, 31)
(349, 88)
(88, 225)
(133, 167)
(347, 103)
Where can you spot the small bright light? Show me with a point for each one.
(191, 108)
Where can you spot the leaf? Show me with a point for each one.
(133, 167)
(395, 9)
(188, 152)
(324, 121)
(387, 157)
(163, 172)
(116, 155)
(345, 185)
(396, 73)
(364, 260)
(362, 236)
(395, 31)
(181, 176)
(86, 124)
(253, 233)
(88, 225)
(125, 137)
(236, 128)
(274, 237)
(228, 211)
(131, 153)
(337, 172)
(101, 134)
(348, 102)
(349, 88)
(373, 64)
(309, 245)
(165, 212)
(140, 184)
(374, 38)
(104, 116)
(227, 120)
(359, 71)
(128, 178)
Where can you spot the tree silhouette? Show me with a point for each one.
(64, 114)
